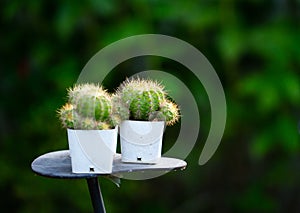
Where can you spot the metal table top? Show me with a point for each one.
(58, 165)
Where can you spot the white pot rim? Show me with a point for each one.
(141, 121)
(116, 127)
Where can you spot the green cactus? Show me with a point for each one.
(170, 111)
(89, 107)
(146, 100)
(91, 101)
(119, 112)
(66, 115)
(103, 125)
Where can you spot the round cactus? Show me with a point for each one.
(170, 112)
(91, 101)
(102, 125)
(89, 107)
(66, 115)
(146, 100)
(119, 112)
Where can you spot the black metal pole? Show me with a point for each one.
(96, 195)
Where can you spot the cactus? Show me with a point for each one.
(91, 101)
(119, 112)
(170, 112)
(146, 100)
(66, 115)
(89, 107)
(103, 125)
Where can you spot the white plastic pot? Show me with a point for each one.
(92, 151)
(141, 141)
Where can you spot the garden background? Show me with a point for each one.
(254, 47)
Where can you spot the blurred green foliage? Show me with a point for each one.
(255, 49)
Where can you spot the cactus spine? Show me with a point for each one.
(89, 107)
(146, 100)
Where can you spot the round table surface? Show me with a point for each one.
(58, 165)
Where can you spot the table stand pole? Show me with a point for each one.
(96, 195)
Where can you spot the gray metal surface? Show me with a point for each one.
(58, 165)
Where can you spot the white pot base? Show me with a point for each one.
(141, 141)
(92, 151)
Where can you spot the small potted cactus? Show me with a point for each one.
(92, 130)
(148, 111)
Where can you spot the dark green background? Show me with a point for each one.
(254, 47)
